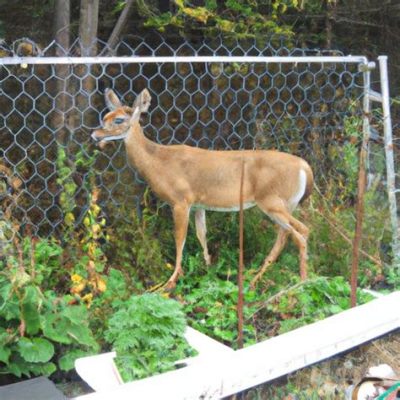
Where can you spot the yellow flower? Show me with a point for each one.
(91, 249)
(96, 209)
(96, 228)
(78, 288)
(87, 298)
(76, 278)
(69, 219)
(101, 285)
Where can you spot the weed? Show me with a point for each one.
(147, 333)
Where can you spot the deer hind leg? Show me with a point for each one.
(181, 220)
(201, 232)
(275, 209)
(276, 250)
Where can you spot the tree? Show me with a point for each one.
(62, 9)
(88, 24)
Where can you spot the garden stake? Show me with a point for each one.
(359, 217)
(240, 271)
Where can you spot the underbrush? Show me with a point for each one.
(60, 300)
(280, 303)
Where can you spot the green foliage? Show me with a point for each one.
(393, 277)
(240, 18)
(310, 302)
(279, 304)
(147, 333)
(36, 350)
(65, 181)
(37, 325)
(211, 307)
(143, 246)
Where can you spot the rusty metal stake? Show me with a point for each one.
(241, 266)
(358, 229)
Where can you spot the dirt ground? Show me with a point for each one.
(329, 379)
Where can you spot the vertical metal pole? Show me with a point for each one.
(390, 171)
(361, 184)
(241, 265)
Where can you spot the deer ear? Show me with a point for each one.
(112, 101)
(143, 101)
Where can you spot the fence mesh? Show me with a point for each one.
(49, 165)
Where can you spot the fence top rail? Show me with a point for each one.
(183, 59)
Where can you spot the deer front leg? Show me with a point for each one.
(201, 232)
(181, 219)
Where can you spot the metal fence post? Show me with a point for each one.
(390, 171)
(366, 69)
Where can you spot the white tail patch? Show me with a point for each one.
(294, 201)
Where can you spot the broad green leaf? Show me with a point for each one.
(20, 367)
(76, 314)
(82, 335)
(4, 354)
(16, 369)
(44, 369)
(67, 361)
(5, 291)
(30, 310)
(55, 328)
(35, 350)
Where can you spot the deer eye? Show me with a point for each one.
(119, 121)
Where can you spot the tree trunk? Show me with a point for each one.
(62, 37)
(116, 33)
(88, 23)
(330, 20)
(62, 26)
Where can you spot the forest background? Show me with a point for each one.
(67, 296)
(367, 27)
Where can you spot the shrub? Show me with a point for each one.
(147, 332)
(39, 328)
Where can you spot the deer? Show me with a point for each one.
(191, 178)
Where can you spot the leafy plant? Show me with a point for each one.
(306, 302)
(240, 18)
(147, 333)
(143, 247)
(38, 327)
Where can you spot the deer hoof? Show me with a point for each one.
(170, 285)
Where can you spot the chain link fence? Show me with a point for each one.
(49, 165)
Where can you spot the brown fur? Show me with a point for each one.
(187, 176)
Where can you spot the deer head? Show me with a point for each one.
(117, 122)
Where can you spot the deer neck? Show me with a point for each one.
(139, 149)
